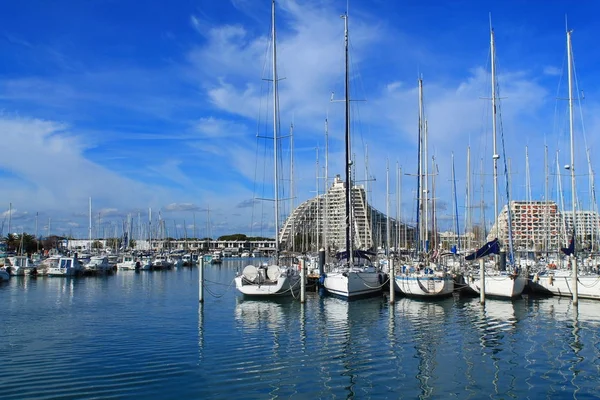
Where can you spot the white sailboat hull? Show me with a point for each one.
(561, 284)
(352, 284)
(283, 286)
(425, 285)
(499, 285)
(64, 272)
(127, 265)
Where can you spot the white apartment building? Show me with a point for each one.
(540, 226)
(323, 218)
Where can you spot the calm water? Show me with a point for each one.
(143, 335)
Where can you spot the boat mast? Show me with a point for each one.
(398, 198)
(528, 197)
(419, 232)
(292, 185)
(275, 130)
(572, 167)
(150, 227)
(90, 227)
(387, 207)
(9, 218)
(348, 149)
(546, 203)
(495, 156)
(469, 228)
(326, 196)
(455, 206)
(426, 187)
(37, 239)
(318, 203)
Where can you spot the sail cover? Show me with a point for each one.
(571, 249)
(492, 247)
(343, 255)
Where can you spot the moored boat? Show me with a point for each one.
(66, 266)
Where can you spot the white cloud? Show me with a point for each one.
(552, 70)
(182, 207)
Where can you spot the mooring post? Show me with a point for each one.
(302, 281)
(482, 281)
(574, 280)
(392, 280)
(201, 279)
(321, 261)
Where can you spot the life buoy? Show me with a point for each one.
(552, 266)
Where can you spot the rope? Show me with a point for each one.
(589, 286)
(218, 296)
(373, 287)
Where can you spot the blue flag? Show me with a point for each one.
(492, 247)
(571, 249)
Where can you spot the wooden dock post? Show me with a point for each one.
(392, 280)
(201, 279)
(482, 281)
(302, 281)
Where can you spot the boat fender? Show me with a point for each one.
(322, 279)
(551, 279)
(380, 278)
(536, 278)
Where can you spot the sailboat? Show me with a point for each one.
(354, 275)
(565, 281)
(423, 278)
(281, 278)
(503, 282)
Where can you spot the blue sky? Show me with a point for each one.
(159, 105)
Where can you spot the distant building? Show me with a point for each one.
(191, 245)
(324, 218)
(587, 223)
(540, 226)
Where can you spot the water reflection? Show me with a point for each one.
(200, 332)
(350, 352)
(425, 321)
(493, 351)
(257, 314)
(567, 353)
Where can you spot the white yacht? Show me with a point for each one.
(187, 260)
(353, 280)
(559, 282)
(175, 260)
(217, 257)
(99, 265)
(129, 263)
(18, 265)
(424, 281)
(269, 280)
(67, 266)
(354, 276)
(283, 278)
(161, 261)
(504, 284)
(145, 264)
(50, 262)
